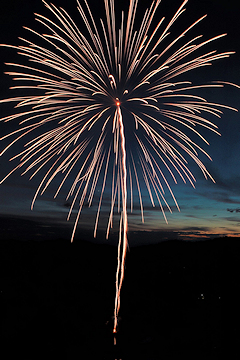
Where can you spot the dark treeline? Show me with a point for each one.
(57, 299)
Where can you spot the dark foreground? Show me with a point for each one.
(57, 299)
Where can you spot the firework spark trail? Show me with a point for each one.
(108, 98)
(124, 220)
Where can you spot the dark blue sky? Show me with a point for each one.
(207, 211)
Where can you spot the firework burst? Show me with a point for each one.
(110, 102)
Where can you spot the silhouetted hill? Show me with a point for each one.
(58, 298)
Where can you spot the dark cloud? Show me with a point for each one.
(232, 219)
(67, 204)
(191, 216)
(229, 185)
(196, 228)
(237, 210)
(221, 196)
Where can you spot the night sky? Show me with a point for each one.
(209, 210)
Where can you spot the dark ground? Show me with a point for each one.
(57, 299)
